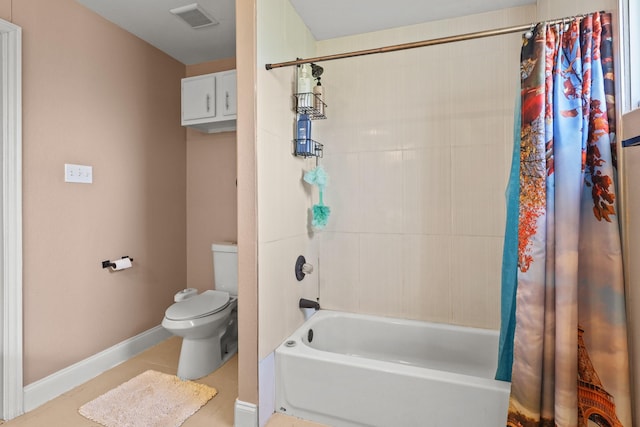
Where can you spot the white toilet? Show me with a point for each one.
(208, 322)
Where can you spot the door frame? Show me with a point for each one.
(11, 350)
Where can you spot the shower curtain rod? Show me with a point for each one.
(423, 43)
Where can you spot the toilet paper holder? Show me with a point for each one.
(108, 263)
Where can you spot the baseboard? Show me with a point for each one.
(246, 414)
(41, 391)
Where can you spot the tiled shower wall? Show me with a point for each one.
(418, 148)
(283, 198)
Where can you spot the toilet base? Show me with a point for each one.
(199, 357)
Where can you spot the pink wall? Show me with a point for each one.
(94, 94)
(211, 190)
(5, 10)
(247, 203)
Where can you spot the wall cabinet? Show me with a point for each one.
(209, 102)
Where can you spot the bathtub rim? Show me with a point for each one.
(302, 350)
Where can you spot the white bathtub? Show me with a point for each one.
(360, 370)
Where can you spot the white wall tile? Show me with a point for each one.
(431, 147)
(424, 129)
(417, 148)
(297, 36)
(427, 191)
(476, 264)
(282, 36)
(298, 197)
(279, 291)
(273, 298)
(288, 251)
(478, 185)
(283, 199)
(270, 29)
(339, 132)
(309, 248)
(380, 289)
(551, 9)
(275, 101)
(426, 271)
(269, 188)
(339, 270)
(344, 192)
(381, 191)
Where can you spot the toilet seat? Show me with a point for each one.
(205, 304)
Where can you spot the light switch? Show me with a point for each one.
(78, 173)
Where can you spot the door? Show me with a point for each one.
(11, 392)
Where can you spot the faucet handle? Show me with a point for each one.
(302, 268)
(307, 268)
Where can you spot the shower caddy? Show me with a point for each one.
(313, 106)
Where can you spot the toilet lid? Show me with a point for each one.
(208, 302)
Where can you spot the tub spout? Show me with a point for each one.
(305, 303)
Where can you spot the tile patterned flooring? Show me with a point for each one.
(218, 412)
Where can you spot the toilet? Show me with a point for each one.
(207, 322)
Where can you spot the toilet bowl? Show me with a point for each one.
(207, 322)
(203, 321)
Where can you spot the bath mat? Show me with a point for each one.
(152, 399)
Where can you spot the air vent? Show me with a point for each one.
(194, 15)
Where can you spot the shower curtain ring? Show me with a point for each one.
(529, 33)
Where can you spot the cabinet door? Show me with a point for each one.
(228, 93)
(198, 97)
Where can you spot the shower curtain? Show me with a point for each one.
(563, 261)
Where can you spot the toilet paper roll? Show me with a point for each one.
(121, 264)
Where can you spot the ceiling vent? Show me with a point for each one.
(194, 15)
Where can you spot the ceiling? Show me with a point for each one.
(151, 20)
(337, 18)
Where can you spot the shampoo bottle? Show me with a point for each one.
(303, 134)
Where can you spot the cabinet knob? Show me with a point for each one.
(226, 100)
(208, 103)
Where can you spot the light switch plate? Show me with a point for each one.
(78, 173)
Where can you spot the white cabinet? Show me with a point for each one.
(209, 102)
(227, 100)
(198, 98)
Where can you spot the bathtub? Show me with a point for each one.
(347, 370)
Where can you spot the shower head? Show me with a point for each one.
(316, 70)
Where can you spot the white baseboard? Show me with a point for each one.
(41, 391)
(246, 414)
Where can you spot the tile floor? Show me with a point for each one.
(218, 412)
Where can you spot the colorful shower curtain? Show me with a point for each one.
(570, 362)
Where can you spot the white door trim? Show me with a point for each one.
(11, 286)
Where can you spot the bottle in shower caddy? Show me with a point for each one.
(304, 86)
(318, 98)
(303, 134)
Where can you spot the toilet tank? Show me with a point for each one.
(225, 267)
